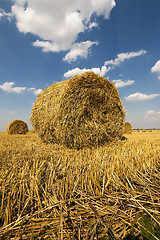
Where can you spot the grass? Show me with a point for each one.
(51, 192)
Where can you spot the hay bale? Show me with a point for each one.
(17, 127)
(127, 128)
(83, 111)
(32, 131)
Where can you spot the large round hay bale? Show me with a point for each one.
(17, 127)
(127, 128)
(83, 111)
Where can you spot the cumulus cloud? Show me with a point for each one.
(140, 97)
(46, 46)
(2, 13)
(58, 23)
(92, 25)
(79, 50)
(6, 15)
(35, 91)
(156, 68)
(101, 71)
(119, 83)
(9, 87)
(152, 115)
(121, 57)
(104, 69)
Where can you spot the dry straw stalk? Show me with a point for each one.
(61, 193)
(83, 111)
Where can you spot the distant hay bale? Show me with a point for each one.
(127, 128)
(83, 111)
(17, 127)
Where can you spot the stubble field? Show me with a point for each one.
(51, 192)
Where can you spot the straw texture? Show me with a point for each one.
(127, 128)
(17, 127)
(83, 111)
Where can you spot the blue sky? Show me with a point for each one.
(47, 41)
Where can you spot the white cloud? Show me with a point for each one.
(121, 75)
(152, 115)
(140, 97)
(30, 89)
(121, 57)
(119, 83)
(4, 14)
(46, 46)
(101, 71)
(79, 49)
(92, 25)
(156, 68)
(58, 23)
(74, 72)
(35, 91)
(8, 87)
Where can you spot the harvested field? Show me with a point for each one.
(84, 111)
(111, 192)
